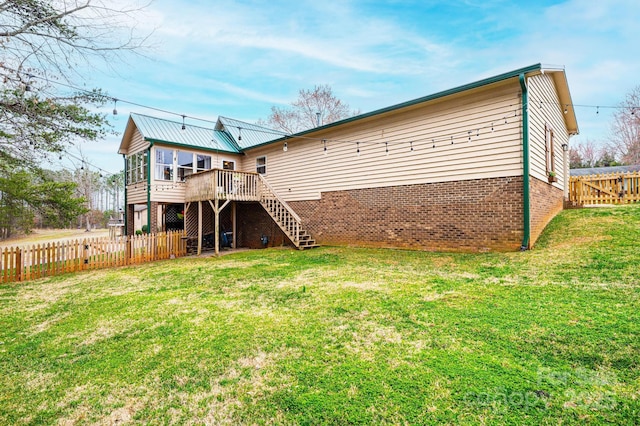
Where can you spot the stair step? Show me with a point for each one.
(308, 247)
(286, 221)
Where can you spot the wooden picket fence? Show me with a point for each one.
(50, 259)
(612, 188)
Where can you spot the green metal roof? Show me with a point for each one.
(171, 132)
(247, 135)
(236, 136)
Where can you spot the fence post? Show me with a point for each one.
(85, 247)
(18, 264)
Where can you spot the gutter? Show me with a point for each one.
(525, 165)
(126, 206)
(149, 187)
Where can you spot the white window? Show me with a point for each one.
(261, 165)
(204, 162)
(137, 168)
(164, 164)
(185, 165)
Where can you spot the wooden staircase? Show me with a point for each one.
(284, 216)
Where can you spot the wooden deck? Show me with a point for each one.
(218, 184)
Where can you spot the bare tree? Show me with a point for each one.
(313, 107)
(50, 39)
(588, 152)
(45, 45)
(575, 159)
(625, 138)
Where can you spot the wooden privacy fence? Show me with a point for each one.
(46, 260)
(612, 188)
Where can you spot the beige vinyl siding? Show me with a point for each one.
(549, 112)
(137, 143)
(137, 193)
(303, 172)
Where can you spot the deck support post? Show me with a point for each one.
(233, 225)
(199, 227)
(216, 211)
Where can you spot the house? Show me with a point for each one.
(479, 167)
(139, 217)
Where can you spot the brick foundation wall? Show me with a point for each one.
(252, 223)
(469, 215)
(153, 226)
(130, 219)
(546, 202)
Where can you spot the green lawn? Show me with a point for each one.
(338, 336)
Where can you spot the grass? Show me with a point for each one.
(338, 336)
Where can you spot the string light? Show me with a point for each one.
(358, 149)
(324, 142)
(434, 143)
(285, 148)
(386, 148)
(633, 108)
(115, 106)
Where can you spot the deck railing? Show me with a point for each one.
(218, 184)
(280, 211)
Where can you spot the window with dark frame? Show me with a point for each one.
(261, 165)
(228, 165)
(203, 162)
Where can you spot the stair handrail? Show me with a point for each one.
(284, 203)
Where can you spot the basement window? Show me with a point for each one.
(261, 165)
(549, 139)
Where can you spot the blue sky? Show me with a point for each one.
(238, 58)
